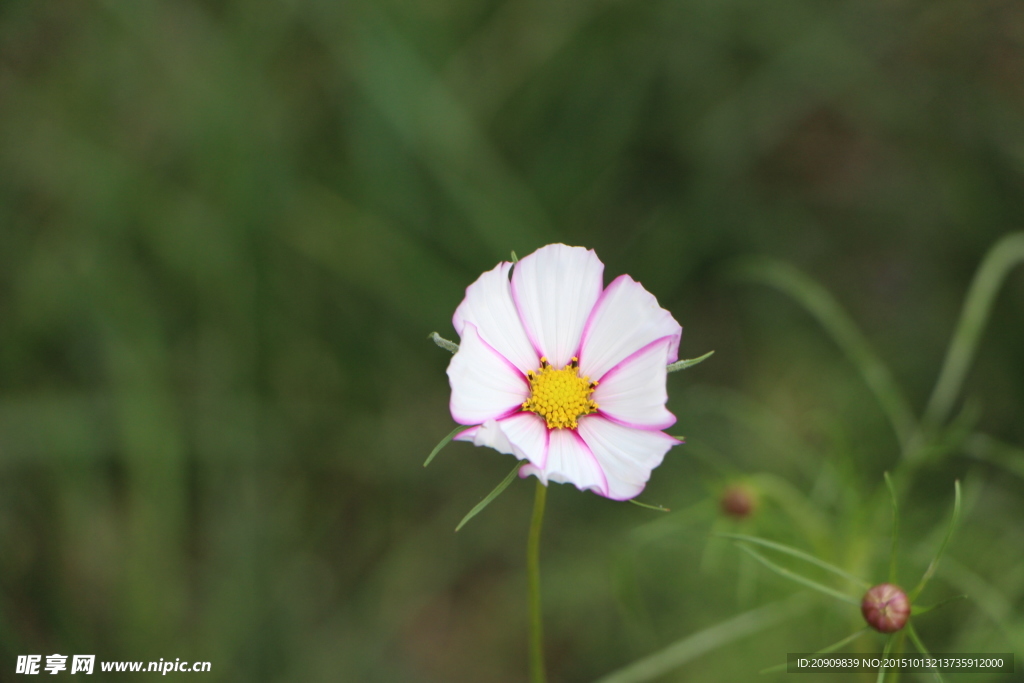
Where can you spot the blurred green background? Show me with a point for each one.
(226, 229)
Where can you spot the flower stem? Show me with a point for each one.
(533, 580)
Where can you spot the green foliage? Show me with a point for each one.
(444, 442)
(509, 478)
(226, 227)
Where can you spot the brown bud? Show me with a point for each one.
(739, 501)
(885, 607)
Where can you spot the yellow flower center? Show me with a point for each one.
(560, 396)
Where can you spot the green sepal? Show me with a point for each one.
(688, 363)
(449, 346)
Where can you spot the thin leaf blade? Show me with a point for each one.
(445, 441)
(799, 554)
(823, 651)
(659, 508)
(509, 478)
(942, 548)
(895, 528)
(916, 640)
(793, 576)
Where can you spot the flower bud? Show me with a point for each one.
(885, 607)
(738, 501)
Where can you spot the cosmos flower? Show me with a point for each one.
(564, 373)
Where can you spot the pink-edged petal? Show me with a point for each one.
(554, 289)
(626, 455)
(569, 461)
(485, 385)
(633, 392)
(524, 435)
(489, 307)
(627, 317)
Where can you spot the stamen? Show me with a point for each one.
(560, 396)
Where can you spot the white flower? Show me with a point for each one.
(564, 373)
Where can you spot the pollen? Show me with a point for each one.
(560, 396)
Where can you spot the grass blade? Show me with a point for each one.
(686, 649)
(916, 640)
(942, 548)
(799, 554)
(997, 264)
(895, 528)
(689, 362)
(445, 441)
(490, 496)
(793, 576)
(823, 651)
(817, 300)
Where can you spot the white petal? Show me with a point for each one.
(524, 435)
(569, 461)
(485, 385)
(488, 305)
(626, 455)
(626, 318)
(633, 392)
(554, 289)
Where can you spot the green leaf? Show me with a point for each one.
(442, 342)
(820, 303)
(793, 576)
(950, 438)
(984, 447)
(799, 554)
(997, 264)
(942, 548)
(515, 259)
(795, 505)
(674, 523)
(823, 651)
(445, 441)
(918, 611)
(895, 528)
(688, 363)
(689, 648)
(649, 506)
(916, 640)
(885, 653)
(490, 496)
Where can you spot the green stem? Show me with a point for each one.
(533, 580)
